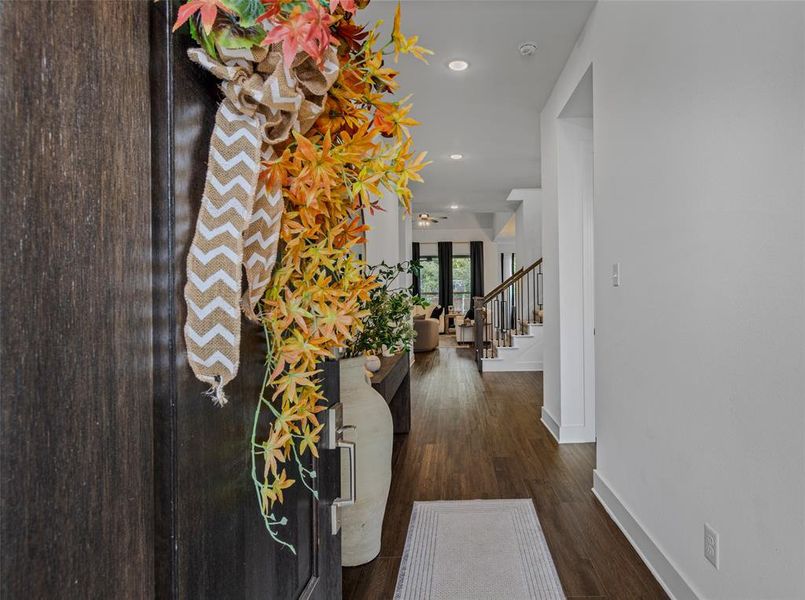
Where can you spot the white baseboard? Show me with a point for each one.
(576, 434)
(550, 423)
(566, 435)
(661, 567)
(498, 365)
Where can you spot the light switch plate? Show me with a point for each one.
(616, 275)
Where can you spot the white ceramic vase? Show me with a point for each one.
(362, 523)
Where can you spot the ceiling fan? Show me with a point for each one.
(426, 220)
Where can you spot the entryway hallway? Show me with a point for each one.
(473, 436)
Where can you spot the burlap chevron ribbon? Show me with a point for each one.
(239, 220)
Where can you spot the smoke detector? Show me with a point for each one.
(527, 48)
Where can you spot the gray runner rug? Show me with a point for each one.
(476, 550)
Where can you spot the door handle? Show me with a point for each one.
(335, 515)
(353, 478)
(335, 441)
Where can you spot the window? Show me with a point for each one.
(462, 286)
(429, 279)
(462, 281)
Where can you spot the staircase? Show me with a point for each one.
(508, 323)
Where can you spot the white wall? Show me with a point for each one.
(528, 230)
(383, 238)
(527, 203)
(406, 238)
(503, 225)
(432, 235)
(390, 236)
(700, 355)
(507, 249)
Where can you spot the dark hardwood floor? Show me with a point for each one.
(474, 437)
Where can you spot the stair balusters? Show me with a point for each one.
(506, 311)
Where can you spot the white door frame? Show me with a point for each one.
(576, 216)
(588, 283)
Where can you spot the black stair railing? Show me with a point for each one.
(506, 311)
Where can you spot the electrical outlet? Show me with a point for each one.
(711, 545)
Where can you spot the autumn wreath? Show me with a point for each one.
(306, 137)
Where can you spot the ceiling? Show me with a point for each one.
(490, 112)
(457, 220)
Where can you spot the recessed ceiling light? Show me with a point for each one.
(458, 65)
(454, 206)
(456, 156)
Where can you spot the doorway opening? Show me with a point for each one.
(575, 182)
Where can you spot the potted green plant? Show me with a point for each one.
(388, 329)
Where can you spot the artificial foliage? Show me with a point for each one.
(321, 294)
(388, 327)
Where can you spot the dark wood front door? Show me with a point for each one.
(119, 478)
(76, 518)
(208, 518)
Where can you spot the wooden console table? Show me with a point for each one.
(393, 382)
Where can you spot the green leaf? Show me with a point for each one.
(240, 38)
(194, 31)
(202, 39)
(247, 10)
